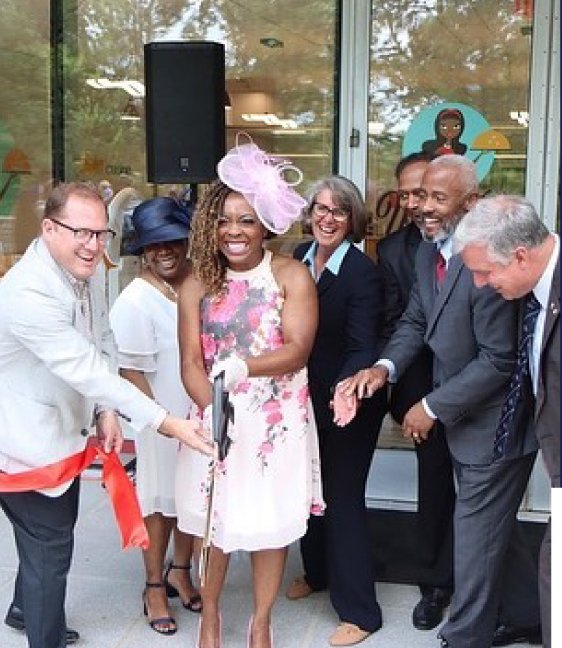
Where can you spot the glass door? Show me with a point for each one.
(493, 69)
(448, 76)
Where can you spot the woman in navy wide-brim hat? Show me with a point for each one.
(144, 321)
(159, 220)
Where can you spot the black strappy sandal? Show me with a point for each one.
(159, 621)
(195, 602)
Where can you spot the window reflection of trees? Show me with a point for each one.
(104, 39)
(424, 52)
(110, 36)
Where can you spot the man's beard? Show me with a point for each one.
(446, 230)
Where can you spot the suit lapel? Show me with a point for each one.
(411, 245)
(551, 318)
(327, 279)
(553, 308)
(453, 272)
(414, 238)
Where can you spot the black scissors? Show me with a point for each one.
(222, 414)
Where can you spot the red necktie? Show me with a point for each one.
(440, 269)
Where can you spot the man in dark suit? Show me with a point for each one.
(506, 246)
(472, 335)
(436, 489)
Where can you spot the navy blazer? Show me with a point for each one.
(397, 256)
(347, 340)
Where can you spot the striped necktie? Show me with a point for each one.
(519, 405)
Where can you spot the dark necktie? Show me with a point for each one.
(519, 404)
(440, 269)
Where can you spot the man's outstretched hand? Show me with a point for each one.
(365, 382)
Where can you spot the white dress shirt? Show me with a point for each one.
(542, 293)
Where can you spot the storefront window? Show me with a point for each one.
(25, 152)
(73, 84)
(469, 56)
(280, 78)
(439, 65)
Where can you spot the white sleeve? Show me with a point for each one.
(43, 324)
(388, 364)
(135, 334)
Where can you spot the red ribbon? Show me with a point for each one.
(118, 485)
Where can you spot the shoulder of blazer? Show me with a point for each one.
(357, 270)
(35, 275)
(401, 238)
(424, 255)
(354, 257)
(300, 251)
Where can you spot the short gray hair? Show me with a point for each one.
(345, 195)
(465, 168)
(501, 224)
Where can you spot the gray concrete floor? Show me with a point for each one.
(105, 585)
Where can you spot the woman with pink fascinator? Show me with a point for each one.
(252, 314)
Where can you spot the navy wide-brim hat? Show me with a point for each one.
(159, 220)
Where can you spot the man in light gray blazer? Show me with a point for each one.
(472, 335)
(506, 246)
(57, 371)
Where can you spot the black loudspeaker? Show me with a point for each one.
(185, 124)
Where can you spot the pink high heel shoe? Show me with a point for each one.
(249, 644)
(198, 642)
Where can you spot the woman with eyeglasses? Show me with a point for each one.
(337, 551)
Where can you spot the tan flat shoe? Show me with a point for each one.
(348, 634)
(298, 589)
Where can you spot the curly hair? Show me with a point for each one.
(209, 264)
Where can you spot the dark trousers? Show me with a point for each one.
(495, 574)
(337, 549)
(44, 533)
(545, 586)
(436, 504)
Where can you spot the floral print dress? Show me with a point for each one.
(269, 483)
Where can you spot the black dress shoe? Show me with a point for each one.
(14, 619)
(507, 635)
(428, 613)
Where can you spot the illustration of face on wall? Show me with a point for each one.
(449, 126)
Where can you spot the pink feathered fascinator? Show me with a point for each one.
(259, 178)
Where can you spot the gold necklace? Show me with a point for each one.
(172, 291)
(169, 288)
